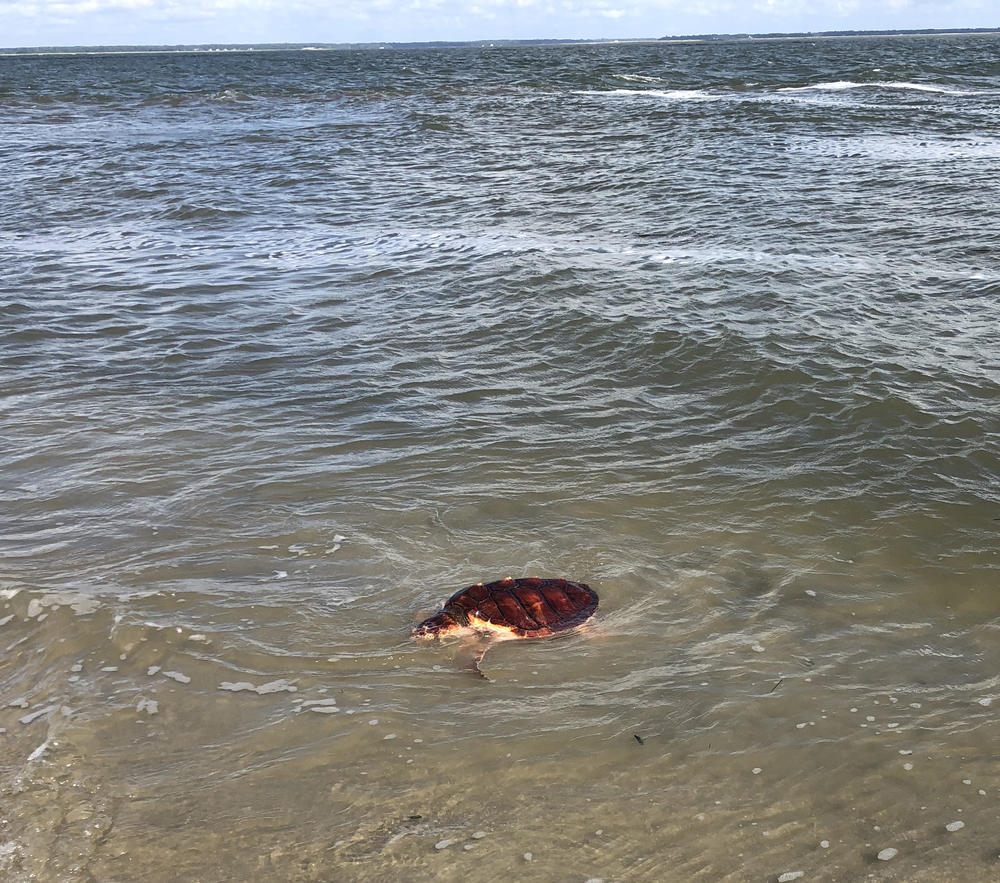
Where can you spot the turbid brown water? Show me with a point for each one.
(294, 345)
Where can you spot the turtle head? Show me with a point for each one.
(441, 624)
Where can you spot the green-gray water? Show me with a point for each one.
(295, 345)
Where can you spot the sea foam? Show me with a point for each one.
(842, 85)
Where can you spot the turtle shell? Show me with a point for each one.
(527, 608)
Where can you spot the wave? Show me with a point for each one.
(638, 78)
(843, 85)
(812, 92)
(668, 94)
(231, 95)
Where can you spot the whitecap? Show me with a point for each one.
(926, 87)
(837, 86)
(842, 85)
(638, 78)
(231, 95)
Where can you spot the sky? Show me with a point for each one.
(173, 22)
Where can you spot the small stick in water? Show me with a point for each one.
(638, 738)
(775, 687)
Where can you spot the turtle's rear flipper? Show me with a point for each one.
(472, 654)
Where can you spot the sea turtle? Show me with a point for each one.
(530, 607)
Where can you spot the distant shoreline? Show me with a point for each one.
(832, 35)
(226, 48)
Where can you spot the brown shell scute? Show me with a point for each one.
(529, 607)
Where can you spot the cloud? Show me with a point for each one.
(564, 8)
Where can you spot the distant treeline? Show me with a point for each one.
(785, 36)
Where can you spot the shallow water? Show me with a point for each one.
(294, 345)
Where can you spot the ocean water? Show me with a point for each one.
(293, 345)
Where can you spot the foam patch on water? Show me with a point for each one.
(278, 686)
(323, 705)
(178, 676)
(78, 603)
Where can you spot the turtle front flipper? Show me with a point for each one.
(471, 655)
